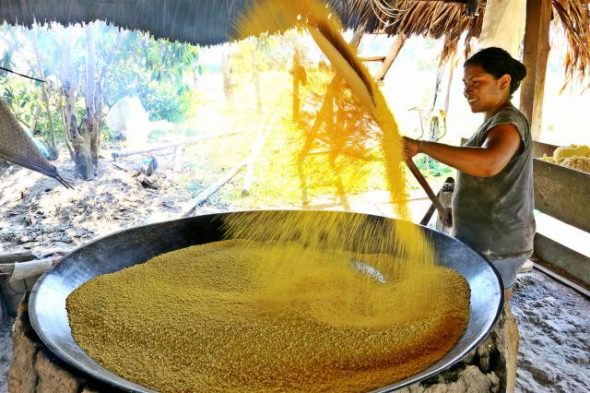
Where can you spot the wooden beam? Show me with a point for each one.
(536, 51)
(17, 257)
(372, 58)
(562, 193)
(397, 45)
(563, 258)
(563, 280)
(540, 148)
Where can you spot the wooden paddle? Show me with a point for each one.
(347, 65)
(445, 215)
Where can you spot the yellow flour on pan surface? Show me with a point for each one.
(197, 319)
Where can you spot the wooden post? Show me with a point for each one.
(391, 56)
(536, 50)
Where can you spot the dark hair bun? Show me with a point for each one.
(498, 62)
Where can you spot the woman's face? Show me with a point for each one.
(483, 91)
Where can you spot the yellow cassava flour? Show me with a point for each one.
(197, 319)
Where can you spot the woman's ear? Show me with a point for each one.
(505, 81)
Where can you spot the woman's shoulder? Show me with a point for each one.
(509, 114)
(510, 111)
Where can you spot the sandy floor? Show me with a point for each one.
(555, 338)
(554, 325)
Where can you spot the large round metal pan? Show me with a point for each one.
(117, 251)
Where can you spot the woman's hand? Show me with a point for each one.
(411, 147)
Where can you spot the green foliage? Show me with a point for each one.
(432, 168)
(131, 63)
(25, 102)
(155, 71)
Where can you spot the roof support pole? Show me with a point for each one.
(397, 45)
(536, 51)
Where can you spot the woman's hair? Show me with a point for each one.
(498, 62)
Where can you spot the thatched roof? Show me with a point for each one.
(209, 22)
(203, 22)
(450, 20)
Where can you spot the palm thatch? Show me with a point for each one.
(432, 19)
(575, 19)
(209, 22)
(449, 19)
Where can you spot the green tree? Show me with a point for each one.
(88, 68)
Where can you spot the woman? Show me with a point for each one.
(493, 201)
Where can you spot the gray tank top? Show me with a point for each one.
(494, 215)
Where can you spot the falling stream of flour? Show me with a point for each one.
(291, 301)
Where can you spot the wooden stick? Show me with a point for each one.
(372, 58)
(391, 56)
(171, 145)
(444, 213)
(23, 75)
(203, 196)
(428, 214)
(445, 187)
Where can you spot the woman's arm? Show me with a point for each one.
(502, 143)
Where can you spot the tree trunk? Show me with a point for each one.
(83, 155)
(52, 143)
(92, 130)
(81, 138)
(68, 91)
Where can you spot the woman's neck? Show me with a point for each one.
(498, 108)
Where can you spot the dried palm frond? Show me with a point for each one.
(574, 16)
(432, 19)
(449, 19)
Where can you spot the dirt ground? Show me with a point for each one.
(554, 327)
(39, 214)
